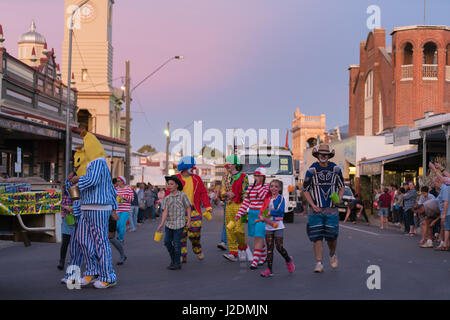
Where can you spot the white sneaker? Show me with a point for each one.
(334, 261)
(222, 246)
(64, 280)
(103, 285)
(428, 244)
(249, 254)
(242, 256)
(230, 257)
(319, 267)
(87, 280)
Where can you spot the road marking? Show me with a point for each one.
(373, 233)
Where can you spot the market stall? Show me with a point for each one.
(29, 214)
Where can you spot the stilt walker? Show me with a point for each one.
(195, 190)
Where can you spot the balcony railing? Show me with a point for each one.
(407, 72)
(447, 73)
(430, 71)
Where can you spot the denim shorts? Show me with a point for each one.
(255, 229)
(383, 212)
(447, 223)
(323, 225)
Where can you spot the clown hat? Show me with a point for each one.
(186, 163)
(261, 171)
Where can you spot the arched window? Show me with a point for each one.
(311, 142)
(368, 105)
(369, 85)
(408, 60)
(430, 68)
(447, 67)
(408, 54)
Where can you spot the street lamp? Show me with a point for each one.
(167, 133)
(128, 93)
(69, 73)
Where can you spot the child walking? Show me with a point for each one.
(175, 206)
(276, 206)
(254, 201)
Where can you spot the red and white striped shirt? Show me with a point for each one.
(127, 197)
(254, 199)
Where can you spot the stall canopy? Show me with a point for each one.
(374, 166)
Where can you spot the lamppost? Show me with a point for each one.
(167, 133)
(69, 73)
(127, 112)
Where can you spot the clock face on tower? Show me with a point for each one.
(87, 13)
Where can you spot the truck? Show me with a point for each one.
(279, 165)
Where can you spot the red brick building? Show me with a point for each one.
(392, 87)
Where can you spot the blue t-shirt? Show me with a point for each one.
(321, 182)
(444, 196)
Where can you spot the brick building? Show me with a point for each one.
(393, 86)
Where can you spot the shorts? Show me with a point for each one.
(383, 212)
(323, 225)
(112, 225)
(276, 233)
(255, 229)
(447, 223)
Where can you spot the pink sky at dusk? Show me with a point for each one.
(248, 64)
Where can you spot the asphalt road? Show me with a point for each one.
(407, 271)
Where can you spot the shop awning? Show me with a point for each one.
(374, 166)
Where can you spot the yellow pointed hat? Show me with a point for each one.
(92, 147)
(80, 162)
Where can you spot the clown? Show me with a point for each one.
(195, 190)
(233, 189)
(97, 200)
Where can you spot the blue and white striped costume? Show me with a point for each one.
(97, 198)
(76, 257)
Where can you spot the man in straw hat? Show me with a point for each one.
(322, 180)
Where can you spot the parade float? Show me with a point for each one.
(30, 210)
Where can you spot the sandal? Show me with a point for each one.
(442, 248)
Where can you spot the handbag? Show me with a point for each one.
(70, 219)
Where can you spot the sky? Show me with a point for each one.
(247, 64)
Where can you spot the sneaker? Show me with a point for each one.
(200, 256)
(242, 256)
(253, 267)
(290, 265)
(230, 257)
(427, 244)
(60, 266)
(86, 280)
(175, 267)
(103, 285)
(334, 261)
(249, 254)
(266, 273)
(319, 267)
(64, 280)
(222, 246)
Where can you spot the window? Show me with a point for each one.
(84, 75)
(369, 85)
(408, 54)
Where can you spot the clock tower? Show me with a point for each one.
(92, 63)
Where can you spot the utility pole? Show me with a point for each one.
(167, 132)
(424, 11)
(128, 122)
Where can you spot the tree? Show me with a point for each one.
(146, 149)
(210, 153)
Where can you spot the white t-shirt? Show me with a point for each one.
(280, 223)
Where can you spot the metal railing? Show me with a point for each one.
(430, 71)
(407, 71)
